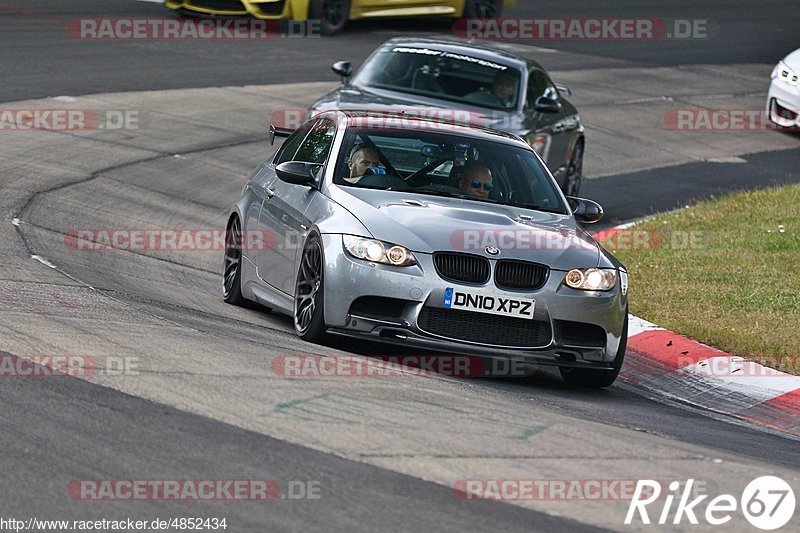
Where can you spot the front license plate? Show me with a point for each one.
(488, 303)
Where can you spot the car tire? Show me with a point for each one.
(332, 14)
(587, 377)
(232, 264)
(482, 9)
(309, 293)
(572, 183)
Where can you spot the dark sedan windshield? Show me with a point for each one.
(443, 163)
(440, 74)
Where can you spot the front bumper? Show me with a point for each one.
(561, 314)
(783, 104)
(279, 9)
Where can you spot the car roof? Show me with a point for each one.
(366, 119)
(478, 50)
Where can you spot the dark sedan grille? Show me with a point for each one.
(219, 5)
(466, 268)
(520, 275)
(273, 9)
(484, 328)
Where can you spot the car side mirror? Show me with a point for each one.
(343, 69)
(585, 210)
(298, 172)
(544, 104)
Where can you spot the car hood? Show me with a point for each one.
(355, 98)
(793, 60)
(427, 224)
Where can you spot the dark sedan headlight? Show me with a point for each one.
(377, 251)
(591, 279)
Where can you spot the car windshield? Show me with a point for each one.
(444, 163)
(441, 74)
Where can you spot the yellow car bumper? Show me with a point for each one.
(262, 9)
(411, 8)
(298, 9)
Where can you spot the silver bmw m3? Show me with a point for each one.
(430, 234)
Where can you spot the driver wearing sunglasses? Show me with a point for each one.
(476, 180)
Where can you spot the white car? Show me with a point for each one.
(783, 98)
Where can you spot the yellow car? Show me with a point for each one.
(334, 14)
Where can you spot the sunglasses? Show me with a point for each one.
(476, 184)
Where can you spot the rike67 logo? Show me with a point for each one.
(767, 502)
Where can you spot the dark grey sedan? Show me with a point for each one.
(432, 235)
(469, 82)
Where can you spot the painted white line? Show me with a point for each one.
(638, 325)
(729, 159)
(743, 377)
(43, 261)
(709, 96)
(629, 224)
(152, 1)
(644, 100)
(664, 98)
(705, 383)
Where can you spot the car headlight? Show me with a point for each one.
(785, 74)
(591, 279)
(377, 251)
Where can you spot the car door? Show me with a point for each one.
(263, 186)
(282, 212)
(255, 193)
(552, 133)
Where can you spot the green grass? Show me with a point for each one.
(737, 286)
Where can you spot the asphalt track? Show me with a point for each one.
(666, 189)
(43, 60)
(207, 406)
(75, 430)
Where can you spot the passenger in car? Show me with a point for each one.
(504, 89)
(361, 159)
(476, 180)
